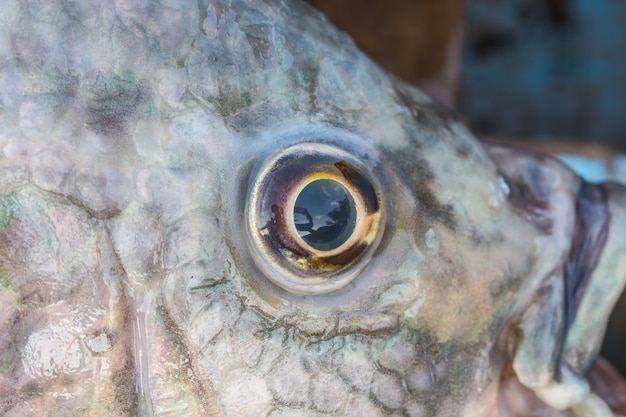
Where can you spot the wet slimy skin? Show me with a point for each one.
(156, 258)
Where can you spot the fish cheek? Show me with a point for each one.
(67, 328)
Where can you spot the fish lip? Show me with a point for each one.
(606, 283)
(590, 235)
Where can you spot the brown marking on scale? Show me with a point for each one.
(430, 210)
(431, 115)
(111, 103)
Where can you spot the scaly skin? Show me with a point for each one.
(131, 134)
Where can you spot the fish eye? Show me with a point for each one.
(314, 217)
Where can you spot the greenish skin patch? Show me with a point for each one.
(5, 282)
(230, 101)
(8, 209)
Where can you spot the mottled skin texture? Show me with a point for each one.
(130, 133)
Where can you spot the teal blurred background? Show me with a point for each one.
(545, 68)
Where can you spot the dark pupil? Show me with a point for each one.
(324, 214)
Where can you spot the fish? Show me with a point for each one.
(224, 208)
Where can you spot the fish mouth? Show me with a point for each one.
(583, 225)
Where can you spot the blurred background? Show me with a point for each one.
(544, 74)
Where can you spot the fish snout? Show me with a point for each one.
(580, 271)
(595, 276)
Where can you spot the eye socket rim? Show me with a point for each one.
(292, 274)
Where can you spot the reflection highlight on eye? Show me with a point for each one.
(314, 217)
(324, 214)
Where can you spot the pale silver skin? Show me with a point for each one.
(131, 132)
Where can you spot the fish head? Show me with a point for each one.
(224, 208)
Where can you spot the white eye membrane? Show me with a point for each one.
(314, 217)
